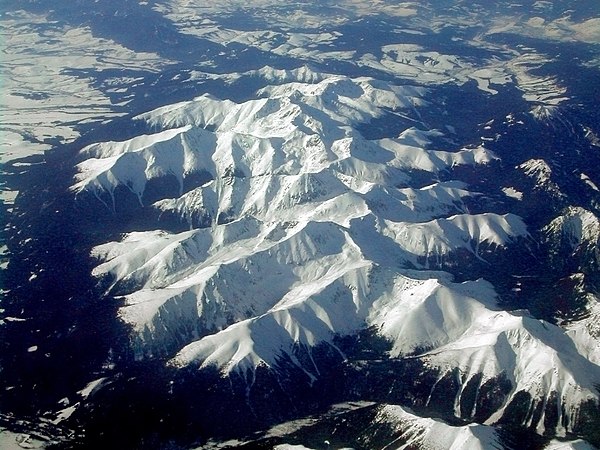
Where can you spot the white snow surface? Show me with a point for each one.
(279, 135)
(445, 235)
(291, 447)
(512, 193)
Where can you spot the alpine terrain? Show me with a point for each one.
(295, 226)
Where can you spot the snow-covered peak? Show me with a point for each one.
(538, 169)
(177, 152)
(359, 99)
(540, 172)
(576, 227)
(585, 332)
(432, 433)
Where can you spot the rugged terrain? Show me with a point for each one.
(391, 243)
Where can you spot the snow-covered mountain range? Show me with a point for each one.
(300, 231)
(295, 226)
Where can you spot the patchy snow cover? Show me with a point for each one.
(53, 87)
(588, 181)
(559, 29)
(41, 100)
(92, 387)
(512, 193)
(538, 169)
(545, 93)
(577, 232)
(412, 61)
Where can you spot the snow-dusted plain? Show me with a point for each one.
(41, 100)
(313, 183)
